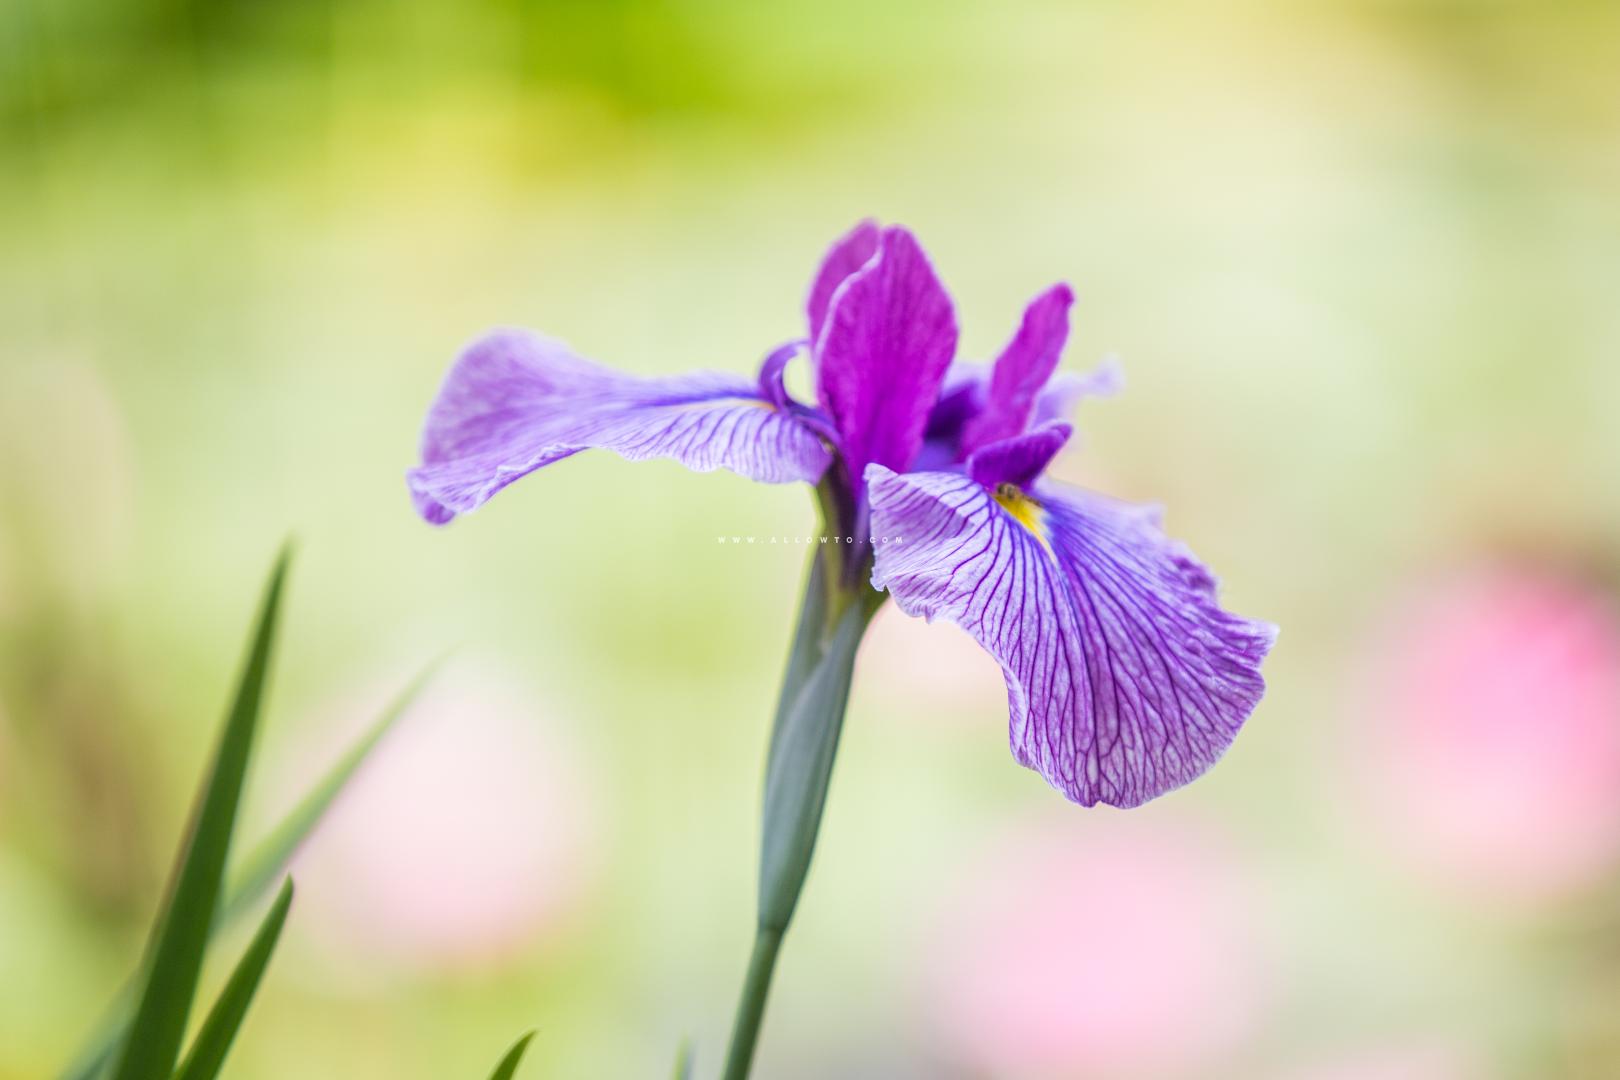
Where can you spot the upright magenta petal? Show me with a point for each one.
(852, 251)
(516, 401)
(1022, 370)
(883, 351)
(1125, 678)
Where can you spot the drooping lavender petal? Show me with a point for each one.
(1125, 679)
(888, 338)
(1022, 369)
(848, 254)
(516, 401)
(1018, 460)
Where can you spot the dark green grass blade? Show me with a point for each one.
(260, 870)
(267, 862)
(180, 935)
(213, 1042)
(508, 1066)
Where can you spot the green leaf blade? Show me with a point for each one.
(509, 1064)
(181, 933)
(261, 869)
(270, 858)
(213, 1042)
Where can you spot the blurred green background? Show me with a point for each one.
(1359, 260)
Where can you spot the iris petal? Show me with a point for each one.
(1019, 460)
(1022, 370)
(1066, 389)
(852, 251)
(516, 401)
(1125, 678)
(883, 351)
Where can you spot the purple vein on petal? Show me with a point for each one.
(1125, 678)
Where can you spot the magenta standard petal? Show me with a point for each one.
(1022, 369)
(883, 351)
(516, 401)
(1125, 678)
(1019, 460)
(852, 251)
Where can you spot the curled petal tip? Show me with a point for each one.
(773, 373)
(427, 507)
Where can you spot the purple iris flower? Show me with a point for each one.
(1125, 678)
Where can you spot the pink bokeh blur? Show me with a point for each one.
(1489, 745)
(1118, 945)
(67, 481)
(468, 837)
(930, 670)
(1422, 1059)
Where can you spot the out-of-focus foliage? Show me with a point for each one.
(206, 1056)
(141, 1036)
(508, 1065)
(172, 966)
(1357, 258)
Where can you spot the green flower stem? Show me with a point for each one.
(751, 1007)
(837, 606)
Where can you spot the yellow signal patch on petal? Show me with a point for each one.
(1023, 509)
